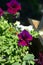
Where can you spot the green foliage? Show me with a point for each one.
(10, 52)
(16, 63)
(29, 59)
(34, 33)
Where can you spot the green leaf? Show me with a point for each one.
(28, 57)
(34, 33)
(16, 63)
(2, 64)
(32, 62)
(24, 63)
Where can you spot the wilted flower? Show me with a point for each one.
(24, 38)
(13, 7)
(1, 12)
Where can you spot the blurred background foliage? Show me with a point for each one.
(30, 8)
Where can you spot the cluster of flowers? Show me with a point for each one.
(25, 38)
(12, 7)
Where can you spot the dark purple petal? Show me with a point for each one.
(1, 12)
(30, 38)
(13, 6)
(22, 43)
(25, 37)
(12, 10)
(12, 3)
(40, 59)
(41, 55)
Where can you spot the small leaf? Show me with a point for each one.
(24, 63)
(31, 62)
(29, 57)
(16, 63)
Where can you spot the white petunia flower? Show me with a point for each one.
(22, 27)
(17, 23)
(30, 27)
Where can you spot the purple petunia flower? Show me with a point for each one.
(13, 7)
(24, 38)
(1, 12)
(39, 61)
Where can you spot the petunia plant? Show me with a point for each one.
(14, 45)
(14, 42)
(12, 12)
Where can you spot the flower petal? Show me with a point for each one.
(13, 7)
(22, 43)
(24, 38)
(1, 12)
(12, 10)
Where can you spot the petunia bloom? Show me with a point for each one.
(24, 38)
(13, 7)
(40, 59)
(1, 12)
